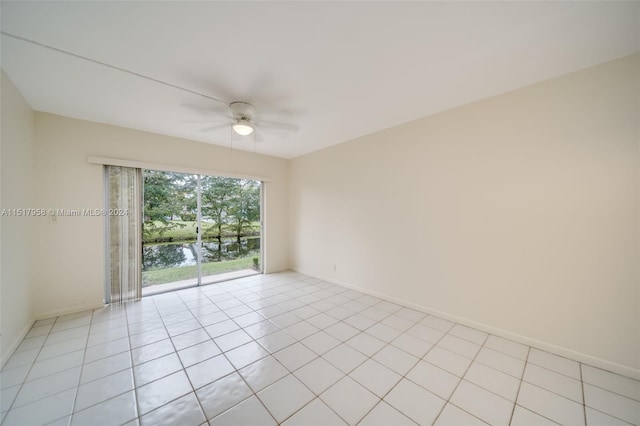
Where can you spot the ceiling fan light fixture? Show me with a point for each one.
(243, 127)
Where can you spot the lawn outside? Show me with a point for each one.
(168, 275)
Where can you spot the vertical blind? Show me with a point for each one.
(124, 233)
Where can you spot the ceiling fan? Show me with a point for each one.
(243, 119)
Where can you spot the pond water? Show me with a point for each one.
(160, 256)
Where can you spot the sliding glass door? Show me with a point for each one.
(198, 229)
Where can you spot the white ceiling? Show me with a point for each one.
(340, 69)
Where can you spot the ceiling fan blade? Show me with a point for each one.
(214, 127)
(225, 120)
(279, 126)
(208, 110)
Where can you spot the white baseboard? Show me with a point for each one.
(534, 343)
(7, 352)
(67, 311)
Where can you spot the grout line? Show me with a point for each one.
(584, 401)
(515, 403)
(461, 378)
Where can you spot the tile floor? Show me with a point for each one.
(293, 350)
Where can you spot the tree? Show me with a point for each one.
(245, 208)
(162, 201)
(217, 195)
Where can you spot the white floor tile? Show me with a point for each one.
(410, 314)
(162, 391)
(507, 347)
(29, 344)
(375, 377)
(105, 350)
(615, 405)
(483, 404)
(261, 329)
(345, 358)
(412, 345)
(152, 336)
(468, 333)
(156, 369)
(13, 376)
(249, 412)
(300, 330)
(232, 340)
(426, 333)
(263, 373)
(342, 331)
(295, 356)
(359, 321)
(459, 346)
(98, 337)
(366, 344)
(118, 410)
(493, 380)
(320, 342)
(37, 331)
(47, 386)
(524, 417)
(221, 328)
(56, 365)
(434, 379)
(397, 322)
(285, 397)
(42, 411)
(57, 349)
(63, 336)
(223, 394)
(276, 341)
(550, 405)
(318, 375)
(184, 411)
(246, 354)
(395, 359)
(350, 400)
(7, 396)
(208, 371)
(105, 366)
(598, 418)
(384, 415)
(454, 416)
(322, 321)
(248, 319)
(418, 404)
(555, 363)
(447, 360)
(499, 361)
(437, 323)
(383, 332)
(198, 353)
(102, 389)
(611, 382)
(554, 382)
(190, 338)
(315, 413)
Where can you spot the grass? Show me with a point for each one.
(186, 231)
(168, 275)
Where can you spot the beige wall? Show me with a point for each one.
(519, 213)
(70, 273)
(16, 192)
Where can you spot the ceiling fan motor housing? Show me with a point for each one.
(242, 110)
